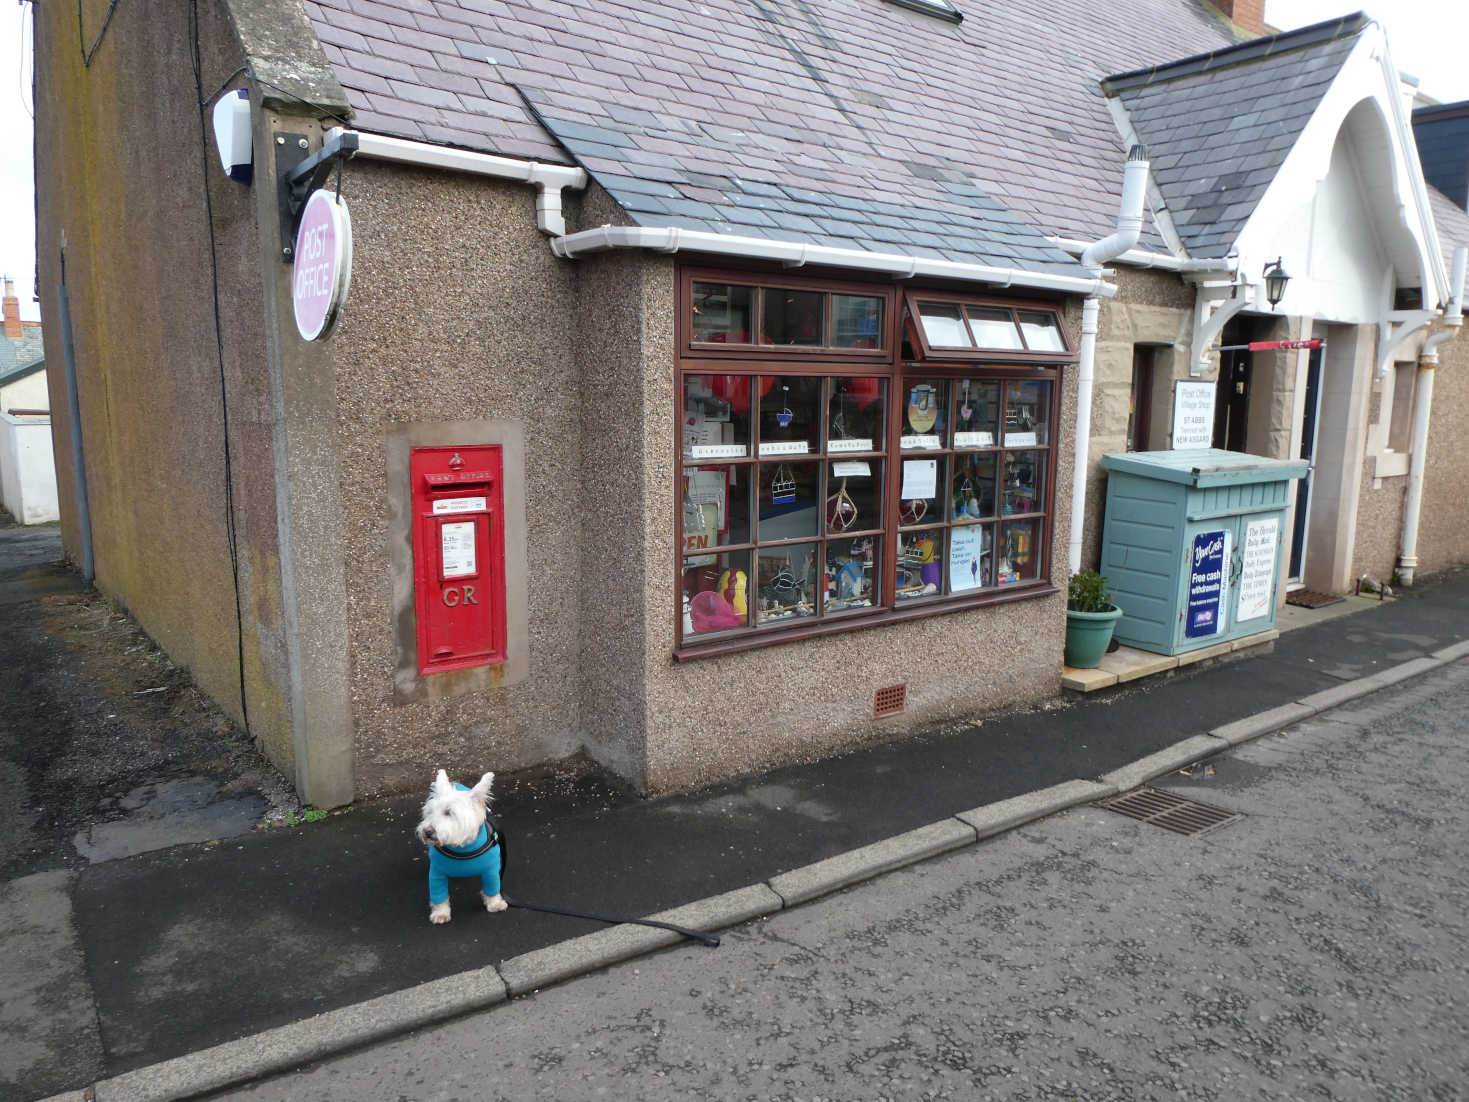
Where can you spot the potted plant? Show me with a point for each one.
(1090, 618)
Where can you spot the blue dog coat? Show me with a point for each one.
(444, 862)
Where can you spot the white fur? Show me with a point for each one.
(453, 818)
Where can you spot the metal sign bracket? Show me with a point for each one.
(299, 173)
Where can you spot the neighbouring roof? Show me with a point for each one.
(1442, 136)
(1218, 126)
(23, 356)
(854, 123)
(1452, 223)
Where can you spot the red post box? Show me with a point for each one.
(458, 557)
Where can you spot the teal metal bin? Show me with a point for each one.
(1192, 543)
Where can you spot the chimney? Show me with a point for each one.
(13, 327)
(1247, 15)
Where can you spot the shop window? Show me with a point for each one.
(794, 532)
(819, 495)
(762, 317)
(951, 327)
(959, 482)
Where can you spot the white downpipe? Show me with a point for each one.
(795, 254)
(1086, 370)
(1422, 409)
(550, 179)
(1129, 228)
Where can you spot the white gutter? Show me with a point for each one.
(550, 179)
(1422, 408)
(1145, 258)
(1129, 228)
(794, 254)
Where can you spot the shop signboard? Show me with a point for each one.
(1206, 584)
(322, 265)
(1193, 415)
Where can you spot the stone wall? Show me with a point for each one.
(1153, 309)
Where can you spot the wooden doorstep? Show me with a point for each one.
(1129, 663)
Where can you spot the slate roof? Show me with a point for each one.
(1442, 136)
(20, 357)
(1452, 222)
(1218, 126)
(854, 123)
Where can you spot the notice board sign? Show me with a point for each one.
(1206, 585)
(1257, 574)
(1193, 415)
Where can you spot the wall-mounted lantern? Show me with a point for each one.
(1275, 281)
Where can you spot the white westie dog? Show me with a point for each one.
(463, 840)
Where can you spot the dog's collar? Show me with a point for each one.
(492, 839)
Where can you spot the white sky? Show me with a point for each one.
(1429, 39)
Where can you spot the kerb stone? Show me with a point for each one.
(857, 865)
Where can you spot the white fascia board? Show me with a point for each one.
(1366, 75)
(383, 148)
(549, 179)
(795, 254)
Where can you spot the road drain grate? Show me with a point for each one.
(1164, 809)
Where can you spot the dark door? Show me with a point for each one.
(1308, 453)
(1232, 403)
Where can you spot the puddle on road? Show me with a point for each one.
(169, 813)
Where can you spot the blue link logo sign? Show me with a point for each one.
(1206, 585)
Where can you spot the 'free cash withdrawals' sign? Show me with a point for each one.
(1207, 585)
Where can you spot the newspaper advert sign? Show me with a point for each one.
(1206, 585)
(1193, 415)
(1257, 574)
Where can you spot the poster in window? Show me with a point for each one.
(967, 568)
(1207, 584)
(1257, 574)
(920, 478)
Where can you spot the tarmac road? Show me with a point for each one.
(1314, 949)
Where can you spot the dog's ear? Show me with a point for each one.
(481, 791)
(441, 785)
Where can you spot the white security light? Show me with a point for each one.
(232, 134)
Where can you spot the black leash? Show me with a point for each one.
(710, 940)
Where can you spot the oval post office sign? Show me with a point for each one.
(322, 268)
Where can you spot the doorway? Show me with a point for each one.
(1232, 400)
(1310, 417)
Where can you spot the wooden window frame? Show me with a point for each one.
(765, 281)
(882, 363)
(1023, 355)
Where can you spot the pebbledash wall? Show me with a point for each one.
(1444, 520)
(460, 315)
